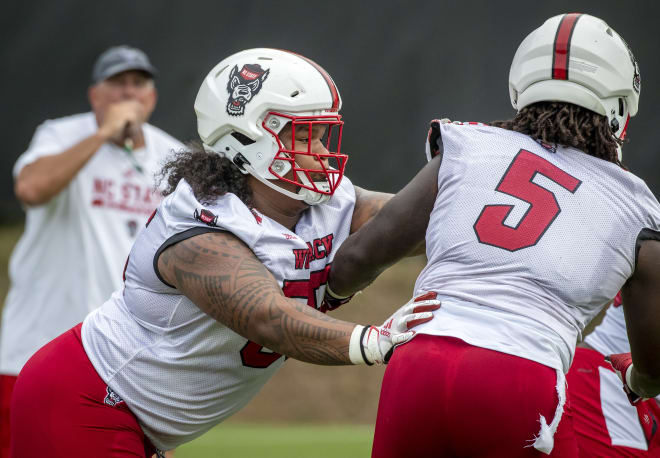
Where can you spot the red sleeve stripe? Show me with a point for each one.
(334, 93)
(562, 46)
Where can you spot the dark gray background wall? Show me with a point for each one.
(398, 64)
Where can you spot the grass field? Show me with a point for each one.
(8, 237)
(244, 440)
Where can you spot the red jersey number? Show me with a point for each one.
(254, 355)
(543, 205)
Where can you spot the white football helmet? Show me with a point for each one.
(579, 59)
(248, 98)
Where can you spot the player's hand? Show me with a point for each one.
(375, 344)
(622, 364)
(122, 120)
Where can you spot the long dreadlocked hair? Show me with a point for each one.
(568, 125)
(209, 174)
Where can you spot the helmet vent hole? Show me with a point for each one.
(295, 93)
(620, 106)
(244, 139)
(264, 58)
(609, 32)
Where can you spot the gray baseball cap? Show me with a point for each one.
(120, 59)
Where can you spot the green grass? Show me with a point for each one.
(242, 440)
(8, 237)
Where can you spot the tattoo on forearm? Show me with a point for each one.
(226, 280)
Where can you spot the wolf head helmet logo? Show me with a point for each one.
(243, 85)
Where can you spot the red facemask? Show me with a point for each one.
(323, 179)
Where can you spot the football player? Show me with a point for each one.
(532, 226)
(604, 421)
(227, 277)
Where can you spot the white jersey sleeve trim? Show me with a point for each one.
(645, 234)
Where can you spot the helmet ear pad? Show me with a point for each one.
(258, 154)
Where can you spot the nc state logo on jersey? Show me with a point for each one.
(112, 398)
(205, 216)
(243, 85)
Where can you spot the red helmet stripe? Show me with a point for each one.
(562, 46)
(625, 128)
(334, 93)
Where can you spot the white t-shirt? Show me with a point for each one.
(527, 243)
(71, 255)
(178, 370)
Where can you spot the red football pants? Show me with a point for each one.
(6, 388)
(442, 397)
(59, 408)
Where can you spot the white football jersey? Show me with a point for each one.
(72, 251)
(180, 371)
(527, 242)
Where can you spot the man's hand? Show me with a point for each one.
(122, 121)
(40, 181)
(375, 344)
(622, 364)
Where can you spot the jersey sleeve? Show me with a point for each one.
(650, 203)
(45, 142)
(228, 213)
(434, 145)
(651, 220)
(433, 141)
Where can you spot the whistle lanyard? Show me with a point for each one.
(128, 149)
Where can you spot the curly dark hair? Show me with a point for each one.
(209, 174)
(568, 125)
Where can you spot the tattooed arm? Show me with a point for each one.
(224, 278)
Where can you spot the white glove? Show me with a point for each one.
(375, 344)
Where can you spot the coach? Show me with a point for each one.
(86, 182)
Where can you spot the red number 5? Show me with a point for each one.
(543, 206)
(254, 355)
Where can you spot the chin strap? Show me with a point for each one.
(312, 197)
(306, 195)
